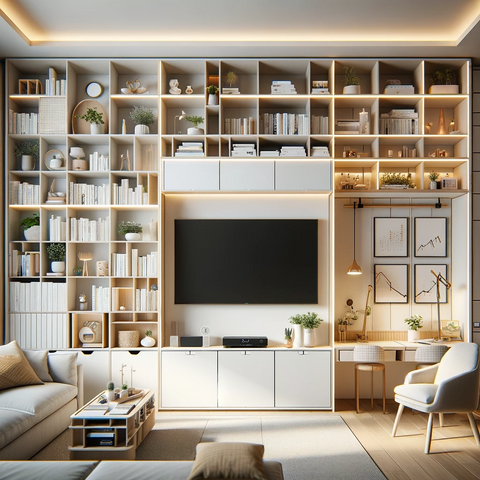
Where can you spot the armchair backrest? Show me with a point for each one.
(462, 358)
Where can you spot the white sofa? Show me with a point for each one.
(31, 416)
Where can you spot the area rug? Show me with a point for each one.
(309, 446)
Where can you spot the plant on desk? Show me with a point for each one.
(414, 325)
(288, 343)
(110, 391)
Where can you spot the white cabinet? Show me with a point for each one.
(247, 175)
(96, 372)
(303, 379)
(189, 379)
(194, 175)
(245, 379)
(140, 365)
(303, 175)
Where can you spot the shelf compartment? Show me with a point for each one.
(247, 75)
(97, 323)
(292, 70)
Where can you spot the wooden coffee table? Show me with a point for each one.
(111, 437)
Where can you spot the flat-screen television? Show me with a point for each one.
(246, 261)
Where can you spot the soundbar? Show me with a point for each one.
(245, 342)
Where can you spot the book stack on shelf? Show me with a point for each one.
(24, 193)
(54, 85)
(22, 123)
(87, 230)
(347, 127)
(144, 265)
(240, 126)
(123, 194)
(320, 151)
(244, 150)
(56, 198)
(398, 89)
(118, 266)
(403, 121)
(293, 151)
(320, 87)
(25, 264)
(100, 299)
(57, 229)
(284, 123)
(99, 163)
(319, 125)
(84, 194)
(269, 153)
(283, 87)
(145, 301)
(230, 91)
(190, 149)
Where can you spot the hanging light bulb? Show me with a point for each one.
(354, 268)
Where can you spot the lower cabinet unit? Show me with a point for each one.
(189, 379)
(303, 175)
(248, 175)
(303, 379)
(245, 379)
(189, 175)
(96, 372)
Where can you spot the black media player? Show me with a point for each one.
(245, 342)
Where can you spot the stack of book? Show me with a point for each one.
(56, 198)
(399, 90)
(57, 229)
(24, 193)
(320, 87)
(269, 153)
(100, 299)
(38, 297)
(239, 126)
(403, 121)
(99, 163)
(293, 151)
(283, 87)
(230, 91)
(144, 265)
(319, 125)
(54, 86)
(190, 149)
(87, 230)
(22, 123)
(146, 301)
(24, 264)
(244, 150)
(347, 127)
(123, 194)
(320, 152)
(284, 123)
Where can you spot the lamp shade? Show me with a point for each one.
(354, 269)
(77, 152)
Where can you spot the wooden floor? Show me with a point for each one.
(454, 453)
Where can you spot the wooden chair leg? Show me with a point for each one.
(473, 424)
(428, 440)
(371, 390)
(357, 393)
(384, 391)
(397, 419)
(440, 419)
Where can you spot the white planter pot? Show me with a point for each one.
(58, 267)
(351, 90)
(142, 130)
(97, 128)
(32, 234)
(309, 337)
(433, 185)
(28, 163)
(133, 237)
(297, 336)
(110, 395)
(443, 89)
(148, 342)
(413, 335)
(212, 99)
(194, 131)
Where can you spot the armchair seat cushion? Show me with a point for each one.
(418, 392)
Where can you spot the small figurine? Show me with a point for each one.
(427, 127)
(123, 160)
(189, 90)
(134, 88)
(82, 298)
(174, 90)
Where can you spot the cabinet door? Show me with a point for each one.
(303, 175)
(189, 379)
(96, 372)
(248, 175)
(245, 379)
(141, 366)
(303, 379)
(191, 175)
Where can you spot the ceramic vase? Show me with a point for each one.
(110, 395)
(32, 234)
(97, 128)
(58, 267)
(142, 130)
(189, 90)
(309, 337)
(212, 99)
(132, 237)
(297, 336)
(288, 343)
(148, 342)
(194, 131)
(351, 90)
(433, 185)
(27, 163)
(413, 335)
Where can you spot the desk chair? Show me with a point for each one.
(451, 386)
(428, 355)
(369, 358)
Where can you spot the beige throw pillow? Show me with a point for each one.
(15, 371)
(38, 360)
(219, 460)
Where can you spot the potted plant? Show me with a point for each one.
(442, 82)
(433, 180)
(131, 230)
(56, 255)
(110, 392)
(195, 120)
(414, 325)
(142, 117)
(288, 342)
(31, 227)
(296, 321)
(212, 94)
(148, 340)
(95, 119)
(352, 82)
(396, 181)
(310, 322)
(231, 78)
(28, 151)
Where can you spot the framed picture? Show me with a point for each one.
(425, 283)
(430, 237)
(450, 328)
(391, 284)
(390, 237)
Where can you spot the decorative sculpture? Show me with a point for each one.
(174, 90)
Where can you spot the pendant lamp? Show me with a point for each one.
(354, 268)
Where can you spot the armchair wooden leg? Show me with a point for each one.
(440, 419)
(473, 424)
(397, 419)
(383, 371)
(371, 390)
(357, 392)
(428, 440)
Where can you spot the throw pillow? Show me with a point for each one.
(63, 367)
(218, 460)
(38, 360)
(15, 371)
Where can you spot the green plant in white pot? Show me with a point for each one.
(95, 119)
(148, 340)
(142, 117)
(414, 325)
(351, 82)
(31, 227)
(433, 177)
(27, 150)
(310, 323)
(56, 255)
(196, 121)
(131, 230)
(296, 321)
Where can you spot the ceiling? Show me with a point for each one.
(249, 28)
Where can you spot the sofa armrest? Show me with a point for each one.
(424, 375)
(80, 391)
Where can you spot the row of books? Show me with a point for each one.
(24, 193)
(285, 151)
(144, 265)
(54, 85)
(57, 229)
(87, 230)
(24, 264)
(100, 299)
(146, 301)
(402, 121)
(243, 150)
(319, 125)
(347, 127)
(38, 297)
(40, 330)
(190, 149)
(22, 123)
(239, 126)
(283, 87)
(99, 162)
(284, 124)
(84, 194)
(123, 194)
(320, 87)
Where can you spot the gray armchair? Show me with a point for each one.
(451, 386)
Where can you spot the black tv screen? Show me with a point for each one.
(246, 261)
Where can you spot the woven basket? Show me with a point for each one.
(128, 339)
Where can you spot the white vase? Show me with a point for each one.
(27, 163)
(148, 342)
(433, 185)
(110, 395)
(297, 336)
(194, 131)
(32, 234)
(413, 335)
(97, 128)
(132, 237)
(142, 130)
(351, 90)
(212, 99)
(58, 267)
(309, 337)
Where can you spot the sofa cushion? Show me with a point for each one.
(419, 392)
(38, 360)
(228, 460)
(15, 370)
(63, 367)
(50, 470)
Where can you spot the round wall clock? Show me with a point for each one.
(93, 89)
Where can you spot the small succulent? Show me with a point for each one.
(148, 333)
(288, 334)
(212, 89)
(124, 386)
(110, 386)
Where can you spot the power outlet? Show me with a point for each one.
(476, 324)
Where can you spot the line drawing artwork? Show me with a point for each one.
(391, 237)
(391, 283)
(432, 243)
(425, 284)
(430, 237)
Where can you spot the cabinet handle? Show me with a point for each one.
(301, 352)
